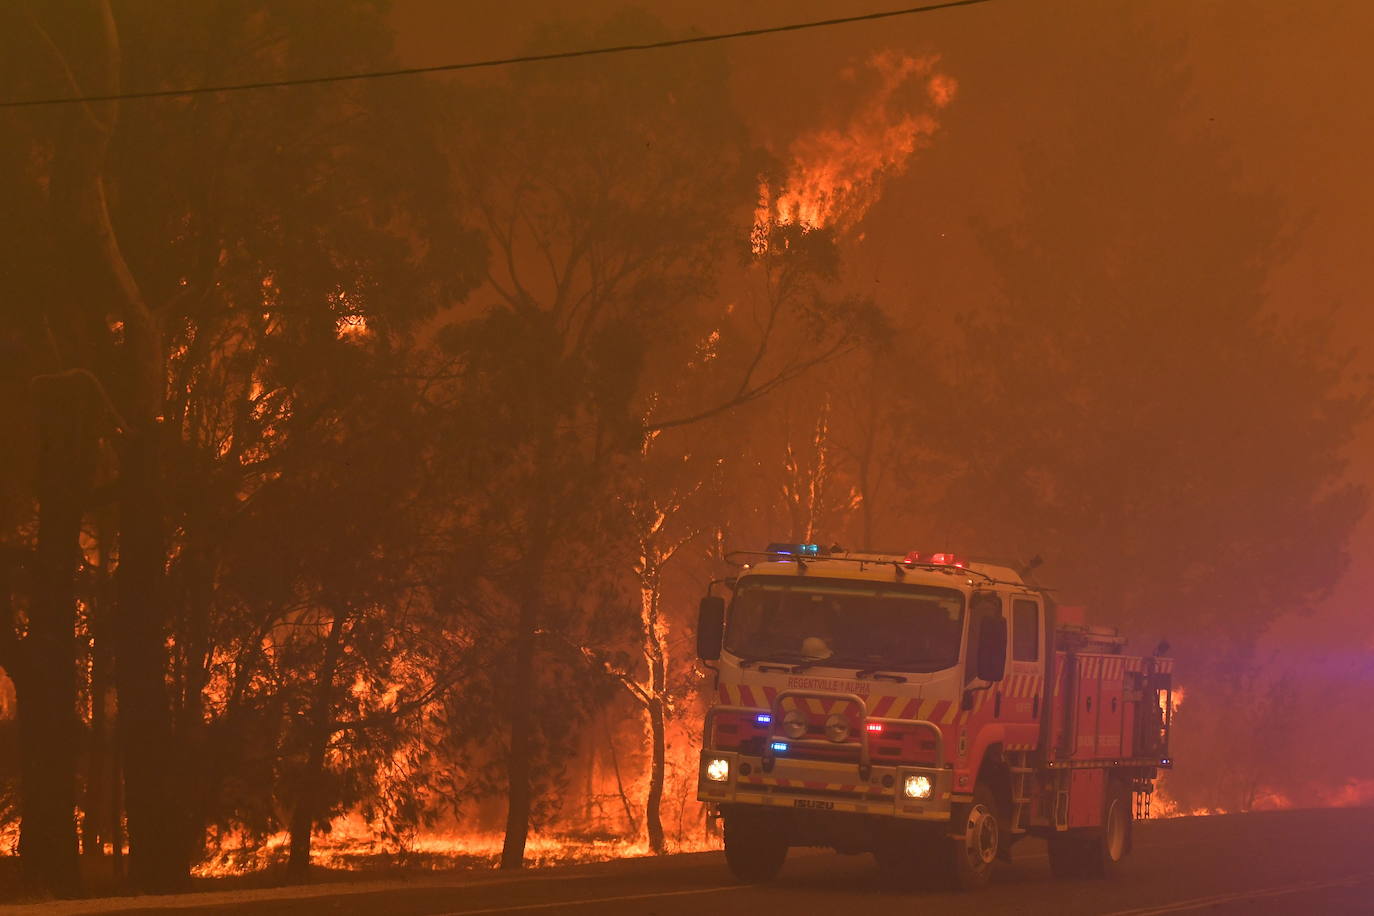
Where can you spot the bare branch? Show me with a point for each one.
(783, 377)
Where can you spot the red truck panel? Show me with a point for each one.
(1109, 711)
(1097, 700)
(1086, 794)
(1129, 702)
(1089, 710)
(1056, 703)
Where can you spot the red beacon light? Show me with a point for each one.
(935, 559)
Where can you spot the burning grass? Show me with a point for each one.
(351, 844)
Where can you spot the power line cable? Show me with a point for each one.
(495, 62)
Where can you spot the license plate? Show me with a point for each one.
(808, 803)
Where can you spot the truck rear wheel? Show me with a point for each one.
(975, 851)
(1095, 853)
(755, 846)
(1110, 846)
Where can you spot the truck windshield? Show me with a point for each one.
(878, 625)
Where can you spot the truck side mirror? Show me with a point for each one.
(711, 627)
(992, 648)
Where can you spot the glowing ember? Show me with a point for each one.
(351, 326)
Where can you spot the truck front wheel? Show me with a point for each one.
(976, 849)
(755, 846)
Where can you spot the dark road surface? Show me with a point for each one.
(1302, 862)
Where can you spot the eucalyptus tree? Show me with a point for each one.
(198, 258)
(606, 188)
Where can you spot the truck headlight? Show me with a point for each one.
(917, 787)
(837, 727)
(718, 769)
(794, 724)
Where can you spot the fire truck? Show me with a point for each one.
(925, 708)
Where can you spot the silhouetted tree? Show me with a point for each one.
(605, 192)
(201, 259)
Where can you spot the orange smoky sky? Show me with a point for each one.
(1281, 85)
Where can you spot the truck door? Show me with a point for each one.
(1109, 723)
(1089, 706)
(1024, 688)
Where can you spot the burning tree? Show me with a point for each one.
(189, 262)
(605, 192)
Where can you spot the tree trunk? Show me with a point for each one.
(102, 283)
(319, 723)
(157, 854)
(654, 804)
(46, 694)
(519, 790)
(650, 597)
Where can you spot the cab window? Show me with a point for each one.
(983, 604)
(1025, 630)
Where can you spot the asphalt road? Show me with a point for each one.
(1300, 862)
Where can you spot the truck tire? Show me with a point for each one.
(975, 851)
(755, 847)
(1095, 853)
(1109, 846)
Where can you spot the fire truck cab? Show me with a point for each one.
(924, 708)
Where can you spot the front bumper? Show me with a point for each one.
(825, 786)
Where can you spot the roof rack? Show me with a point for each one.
(896, 561)
(1083, 638)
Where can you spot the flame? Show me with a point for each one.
(351, 326)
(1163, 806)
(598, 823)
(352, 843)
(351, 323)
(835, 173)
(1355, 793)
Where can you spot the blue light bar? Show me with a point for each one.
(779, 746)
(799, 550)
(763, 718)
